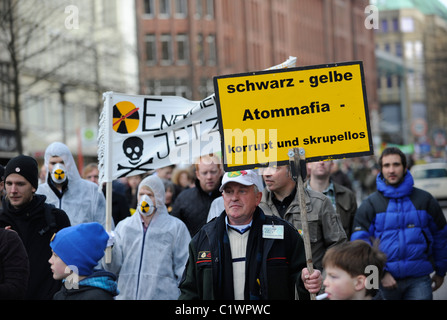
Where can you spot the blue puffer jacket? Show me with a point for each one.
(410, 225)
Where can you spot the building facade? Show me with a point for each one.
(183, 44)
(411, 45)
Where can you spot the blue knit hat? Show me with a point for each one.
(81, 246)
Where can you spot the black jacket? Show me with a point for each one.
(14, 266)
(36, 231)
(273, 266)
(192, 206)
(101, 285)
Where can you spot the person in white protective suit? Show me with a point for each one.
(151, 248)
(79, 198)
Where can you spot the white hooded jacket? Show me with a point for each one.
(82, 201)
(150, 264)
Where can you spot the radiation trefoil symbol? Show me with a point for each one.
(59, 174)
(144, 207)
(126, 118)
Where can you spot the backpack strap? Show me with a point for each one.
(50, 219)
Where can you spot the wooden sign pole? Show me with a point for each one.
(297, 161)
(108, 252)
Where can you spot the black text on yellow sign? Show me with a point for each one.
(322, 109)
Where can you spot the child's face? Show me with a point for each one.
(58, 267)
(340, 285)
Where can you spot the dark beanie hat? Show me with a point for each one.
(25, 166)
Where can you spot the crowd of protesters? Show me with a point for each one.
(198, 232)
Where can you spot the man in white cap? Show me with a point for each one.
(244, 254)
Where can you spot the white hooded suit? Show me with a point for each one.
(150, 264)
(82, 201)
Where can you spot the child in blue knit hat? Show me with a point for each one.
(76, 252)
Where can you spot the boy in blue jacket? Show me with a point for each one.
(411, 228)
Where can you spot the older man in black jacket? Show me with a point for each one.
(245, 255)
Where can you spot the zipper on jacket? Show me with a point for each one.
(141, 263)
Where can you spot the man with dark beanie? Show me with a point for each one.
(34, 221)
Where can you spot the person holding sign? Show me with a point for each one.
(244, 254)
(280, 199)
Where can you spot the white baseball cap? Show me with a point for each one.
(245, 177)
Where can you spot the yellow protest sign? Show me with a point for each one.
(322, 109)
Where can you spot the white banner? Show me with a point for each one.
(141, 133)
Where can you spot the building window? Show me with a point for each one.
(206, 87)
(149, 8)
(409, 50)
(181, 9)
(210, 9)
(169, 87)
(164, 9)
(182, 48)
(389, 81)
(166, 49)
(399, 49)
(200, 55)
(418, 49)
(407, 24)
(151, 49)
(395, 24)
(384, 26)
(199, 9)
(212, 52)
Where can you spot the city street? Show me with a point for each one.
(441, 293)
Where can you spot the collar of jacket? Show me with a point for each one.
(213, 194)
(55, 189)
(295, 204)
(405, 188)
(31, 207)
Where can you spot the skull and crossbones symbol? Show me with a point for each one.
(133, 149)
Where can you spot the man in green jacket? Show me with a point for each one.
(245, 255)
(280, 199)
